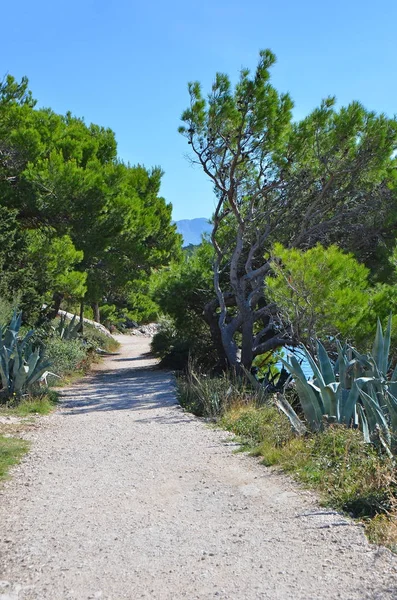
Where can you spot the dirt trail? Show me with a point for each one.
(125, 496)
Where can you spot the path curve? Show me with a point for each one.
(126, 496)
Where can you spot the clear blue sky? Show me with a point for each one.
(125, 65)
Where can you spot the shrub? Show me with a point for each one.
(6, 309)
(65, 356)
(210, 397)
(164, 340)
(95, 338)
(175, 346)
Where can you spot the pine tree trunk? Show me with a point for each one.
(97, 315)
(81, 328)
(56, 305)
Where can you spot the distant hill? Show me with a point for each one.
(192, 230)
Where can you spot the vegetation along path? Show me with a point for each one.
(123, 495)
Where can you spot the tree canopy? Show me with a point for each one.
(87, 224)
(329, 178)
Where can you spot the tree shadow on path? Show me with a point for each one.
(126, 389)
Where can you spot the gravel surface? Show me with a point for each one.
(124, 495)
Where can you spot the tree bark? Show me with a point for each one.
(97, 315)
(56, 305)
(81, 328)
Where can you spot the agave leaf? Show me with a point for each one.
(361, 381)
(16, 320)
(330, 399)
(33, 360)
(18, 361)
(316, 371)
(386, 347)
(38, 373)
(341, 364)
(4, 368)
(364, 424)
(375, 415)
(391, 403)
(348, 404)
(378, 346)
(12, 331)
(325, 364)
(309, 398)
(22, 345)
(392, 386)
(311, 405)
(297, 424)
(19, 381)
(294, 368)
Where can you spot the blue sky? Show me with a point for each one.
(125, 65)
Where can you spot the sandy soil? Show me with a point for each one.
(123, 495)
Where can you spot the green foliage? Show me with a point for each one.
(110, 316)
(76, 223)
(340, 182)
(353, 390)
(7, 308)
(321, 291)
(164, 339)
(382, 530)
(21, 366)
(68, 329)
(65, 356)
(55, 260)
(142, 306)
(351, 475)
(181, 290)
(95, 338)
(329, 179)
(212, 396)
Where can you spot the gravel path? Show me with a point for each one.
(125, 496)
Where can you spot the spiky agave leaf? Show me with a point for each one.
(309, 398)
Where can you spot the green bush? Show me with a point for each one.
(65, 356)
(182, 290)
(95, 338)
(164, 340)
(210, 397)
(6, 309)
(175, 346)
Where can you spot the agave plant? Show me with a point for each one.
(20, 365)
(323, 399)
(353, 390)
(68, 330)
